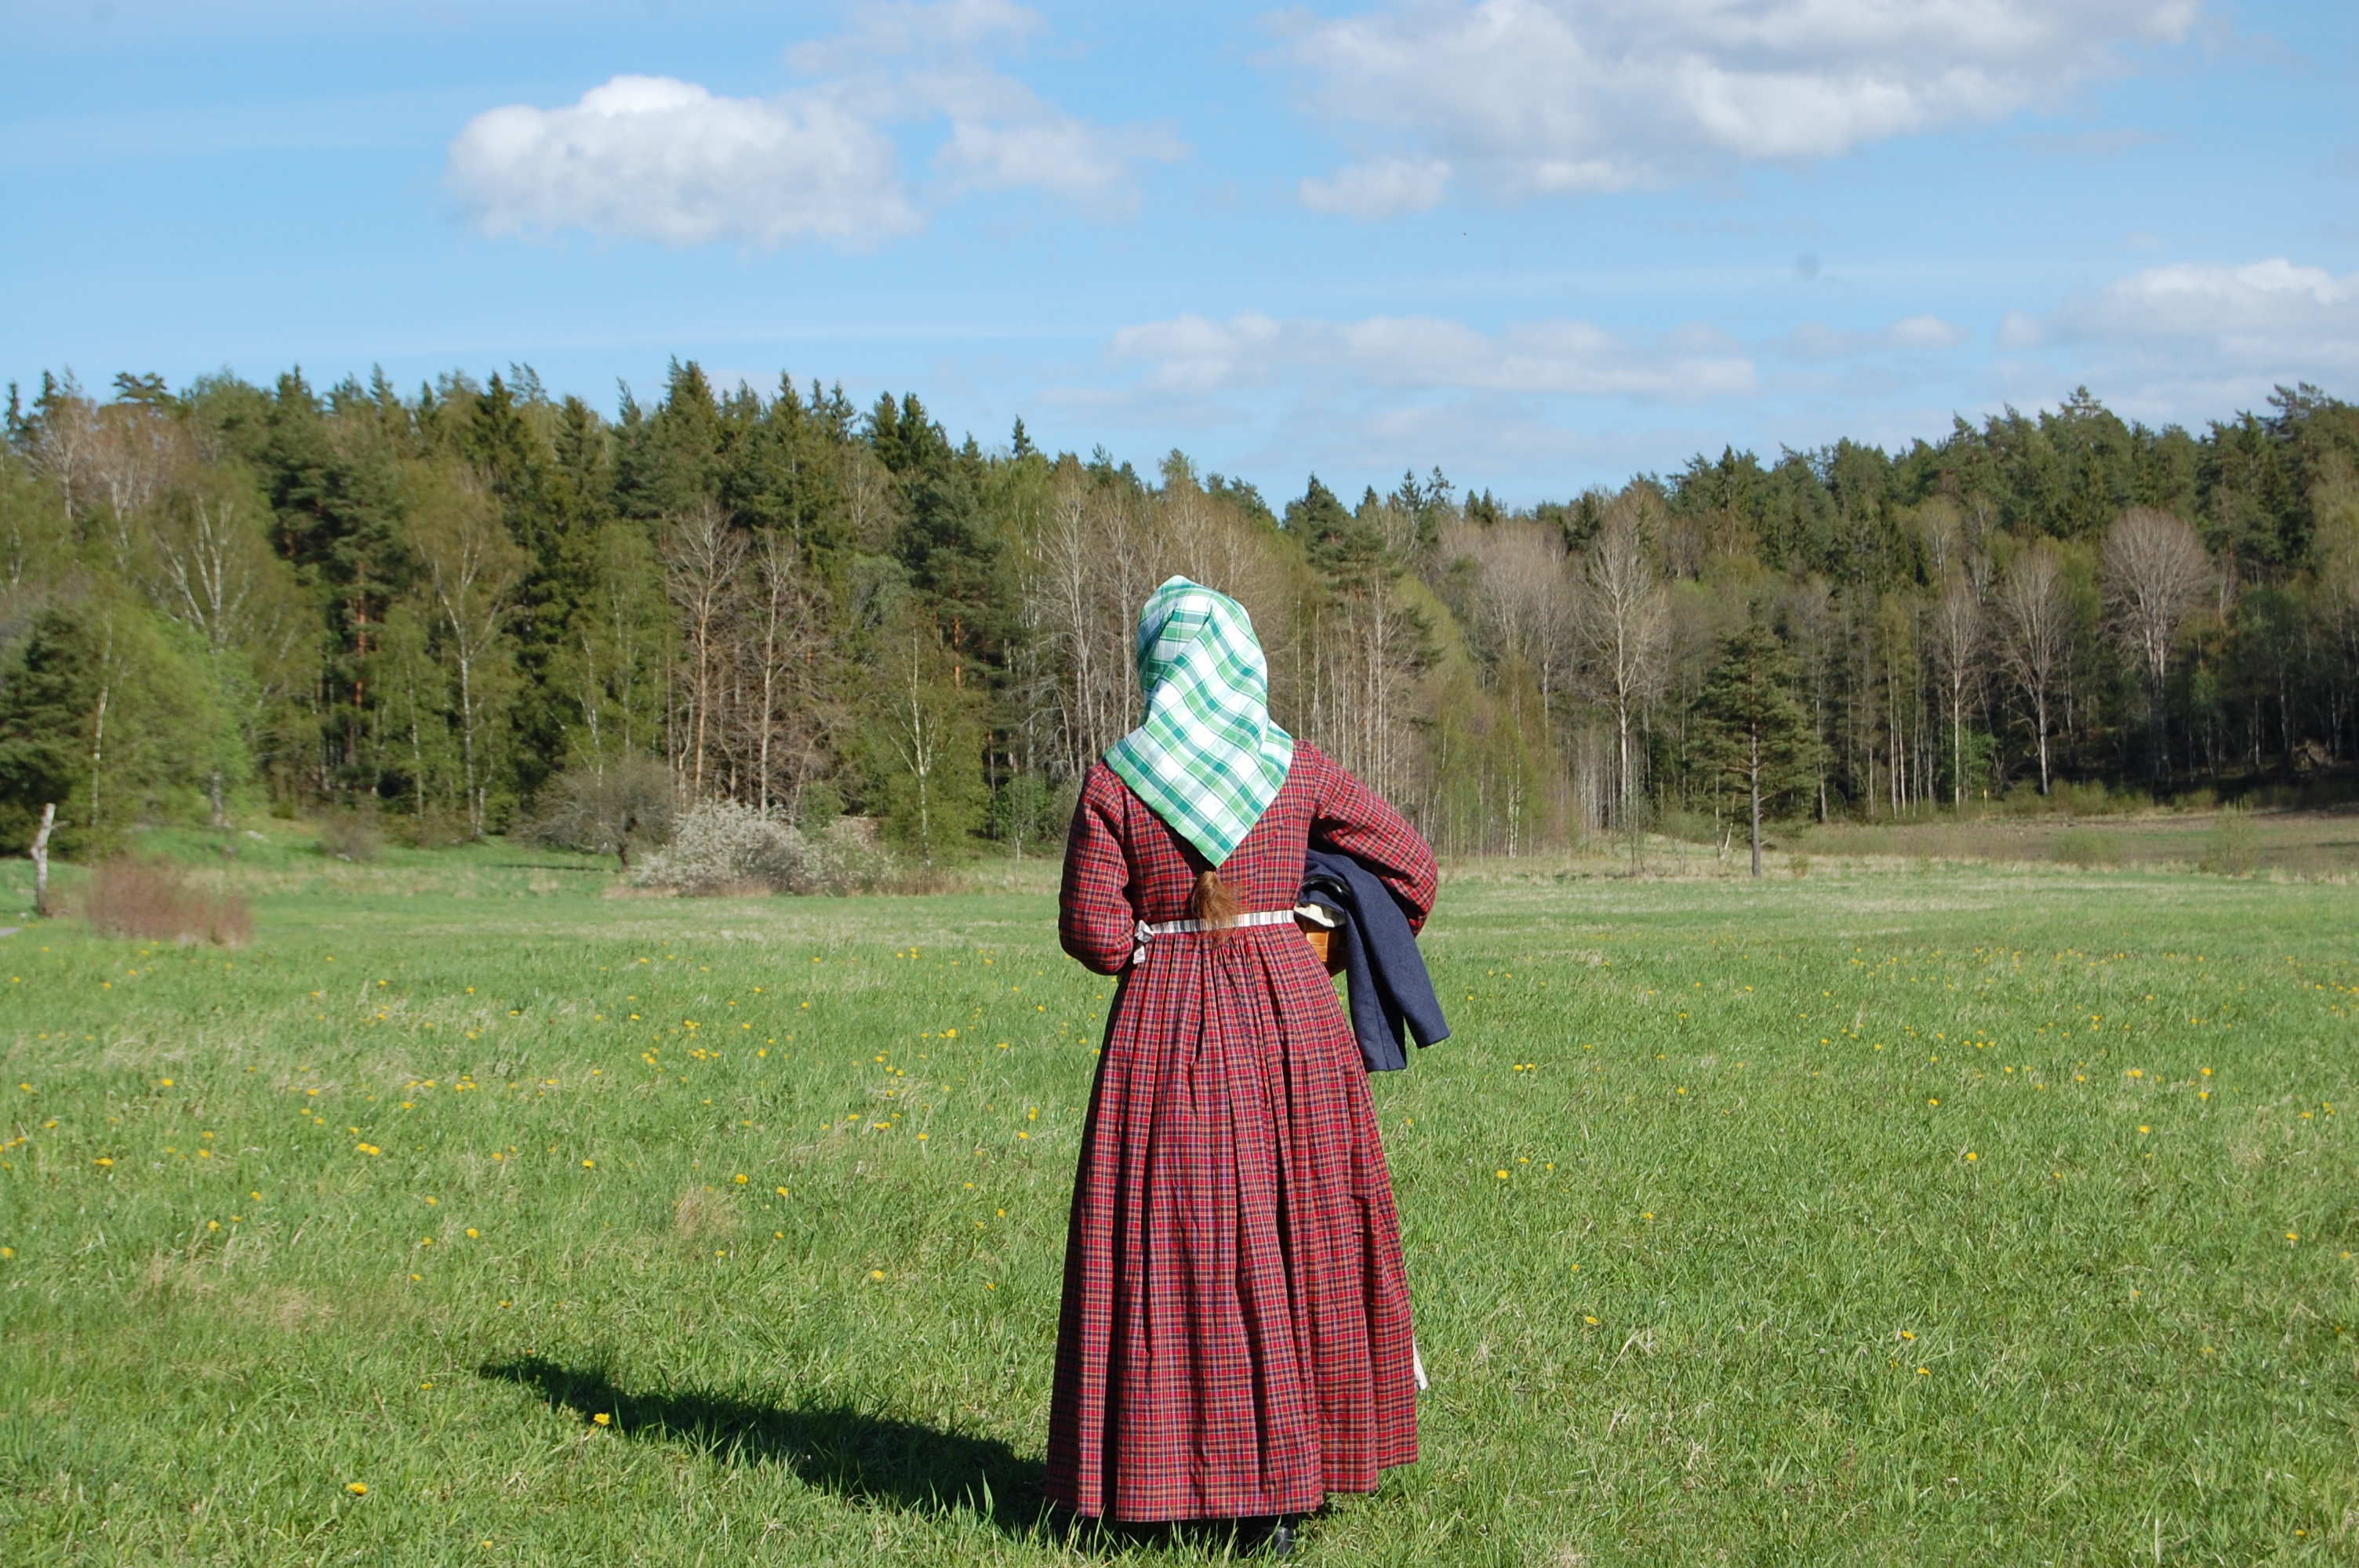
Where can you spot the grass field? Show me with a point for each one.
(1968, 1215)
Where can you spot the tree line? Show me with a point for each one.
(478, 607)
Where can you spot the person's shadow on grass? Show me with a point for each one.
(869, 1458)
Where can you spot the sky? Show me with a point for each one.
(1539, 244)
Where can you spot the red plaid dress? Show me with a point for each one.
(1234, 1341)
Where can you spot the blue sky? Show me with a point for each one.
(1541, 243)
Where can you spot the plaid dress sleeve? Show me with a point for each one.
(1096, 915)
(1355, 820)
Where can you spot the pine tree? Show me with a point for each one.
(1756, 733)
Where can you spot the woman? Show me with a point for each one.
(1235, 1342)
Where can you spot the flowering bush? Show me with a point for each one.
(721, 846)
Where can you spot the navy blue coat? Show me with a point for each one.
(1384, 972)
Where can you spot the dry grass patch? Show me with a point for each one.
(704, 1215)
(151, 901)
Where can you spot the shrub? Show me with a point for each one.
(2085, 847)
(2091, 798)
(1691, 826)
(1798, 864)
(2234, 848)
(148, 900)
(608, 810)
(433, 828)
(350, 836)
(721, 847)
(1030, 812)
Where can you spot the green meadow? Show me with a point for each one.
(468, 1216)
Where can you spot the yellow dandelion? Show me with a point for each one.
(875, 1273)
(471, 1233)
(357, 1488)
(602, 1419)
(589, 1164)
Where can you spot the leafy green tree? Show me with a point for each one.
(925, 748)
(206, 562)
(2273, 636)
(415, 761)
(606, 678)
(110, 712)
(469, 570)
(35, 540)
(1757, 734)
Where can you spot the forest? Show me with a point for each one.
(480, 608)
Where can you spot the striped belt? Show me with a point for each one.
(1145, 933)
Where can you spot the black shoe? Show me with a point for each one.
(1279, 1542)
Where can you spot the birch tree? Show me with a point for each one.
(1954, 638)
(1624, 628)
(207, 563)
(780, 631)
(471, 568)
(2034, 632)
(701, 555)
(2155, 572)
(611, 667)
(931, 762)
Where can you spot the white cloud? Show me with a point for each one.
(1555, 97)
(2186, 341)
(657, 159)
(2019, 329)
(1024, 142)
(2264, 311)
(1378, 188)
(1920, 334)
(648, 158)
(1193, 356)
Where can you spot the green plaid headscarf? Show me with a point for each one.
(1208, 761)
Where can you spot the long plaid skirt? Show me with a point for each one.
(1235, 1338)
